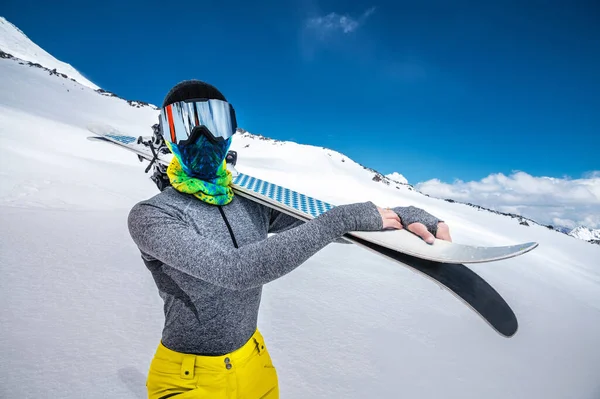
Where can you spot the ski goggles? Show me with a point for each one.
(181, 123)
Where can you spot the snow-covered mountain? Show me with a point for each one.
(585, 233)
(81, 312)
(397, 177)
(13, 41)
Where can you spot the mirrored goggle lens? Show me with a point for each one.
(178, 120)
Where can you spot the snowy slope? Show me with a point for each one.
(585, 233)
(81, 316)
(13, 41)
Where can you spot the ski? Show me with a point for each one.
(443, 265)
(306, 208)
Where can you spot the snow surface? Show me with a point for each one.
(585, 233)
(397, 177)
(14, 42)
(81, 316)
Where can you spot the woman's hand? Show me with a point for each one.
(391, 220)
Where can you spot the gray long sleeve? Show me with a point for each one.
(210, 288)
(179, 245)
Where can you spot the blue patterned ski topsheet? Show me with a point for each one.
(122, 139)
(300, 202)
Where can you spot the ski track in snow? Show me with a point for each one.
(81, 316)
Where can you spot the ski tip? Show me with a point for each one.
(528, 246)
(100, 128)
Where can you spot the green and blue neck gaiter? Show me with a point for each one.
(200, 169)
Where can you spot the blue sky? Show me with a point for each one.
(431, 90)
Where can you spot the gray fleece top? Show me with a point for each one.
(210, 279)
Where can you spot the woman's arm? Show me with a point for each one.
(178, 245)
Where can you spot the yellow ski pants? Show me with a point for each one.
(246, 373)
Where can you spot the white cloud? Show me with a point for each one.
(334, 22)
(369, 12)
(397, 177)
(548, 200)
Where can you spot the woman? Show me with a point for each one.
(210, 254)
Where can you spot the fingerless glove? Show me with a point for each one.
(410, 214)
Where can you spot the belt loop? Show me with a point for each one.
(187, 367)
(259, 346)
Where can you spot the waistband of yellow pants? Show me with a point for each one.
(255, 345)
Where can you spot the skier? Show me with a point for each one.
(210, 254)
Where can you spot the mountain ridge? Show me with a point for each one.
(14, 41)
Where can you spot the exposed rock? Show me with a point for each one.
(7, 56)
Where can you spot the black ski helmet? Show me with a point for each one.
(190, 89)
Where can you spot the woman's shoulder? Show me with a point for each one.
(167, 201)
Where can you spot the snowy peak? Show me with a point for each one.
(397, 177)
(14, 42)
(313, 158)
(16, 46)
(585, 233)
